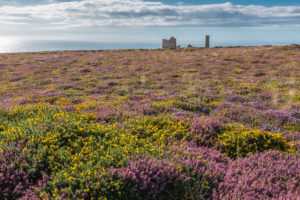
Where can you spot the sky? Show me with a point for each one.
(172, 2)
(228, 22)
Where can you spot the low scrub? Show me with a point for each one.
(243, 142)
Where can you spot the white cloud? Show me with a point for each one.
(91, 13)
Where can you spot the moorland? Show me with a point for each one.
(189, 123)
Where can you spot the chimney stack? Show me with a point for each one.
(207, 41)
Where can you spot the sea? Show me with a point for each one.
(59, 45)
(50, 45)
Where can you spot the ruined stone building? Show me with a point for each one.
(169, 44)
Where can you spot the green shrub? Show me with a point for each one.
(77, 152)
(191, 106)
(243, 142)
(157, 128)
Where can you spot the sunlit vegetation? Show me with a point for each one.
(219, 123)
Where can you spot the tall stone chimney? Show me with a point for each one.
(207, 41)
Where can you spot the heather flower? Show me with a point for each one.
(206, 130)
(294, 138)
(236, 98)
(152, 177)
(267, 175)
(215, 162)
(205, 167)
(30, 195)
(110, 114)
(282, 117)
(17, 175)
(191, 171)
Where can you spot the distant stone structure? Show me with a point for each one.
(169, 44)
(207, 41)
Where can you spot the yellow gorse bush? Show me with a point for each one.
(243, 142)
(77, 150)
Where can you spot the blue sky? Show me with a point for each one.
(235, 21)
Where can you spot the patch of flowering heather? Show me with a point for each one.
(258, 116)
(146, 107)
(236, 98)
(151, 109)
(206, 168)
(31, 195)
(193, 171)
(183, 115)
(271, 128)
(258, 105)
(282, 117)
(206, 130)
(267, 175)
(240, 113)
(110, 113)
(264, 96)
(294, 138)
(152, 177)
(215, 161)
(16, 175)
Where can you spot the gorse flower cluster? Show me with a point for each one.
(76, 150)
(243, 142)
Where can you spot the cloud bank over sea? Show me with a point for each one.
(128, 13)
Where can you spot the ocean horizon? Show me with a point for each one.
(60, 45)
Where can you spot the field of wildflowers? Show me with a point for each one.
(219, 123)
